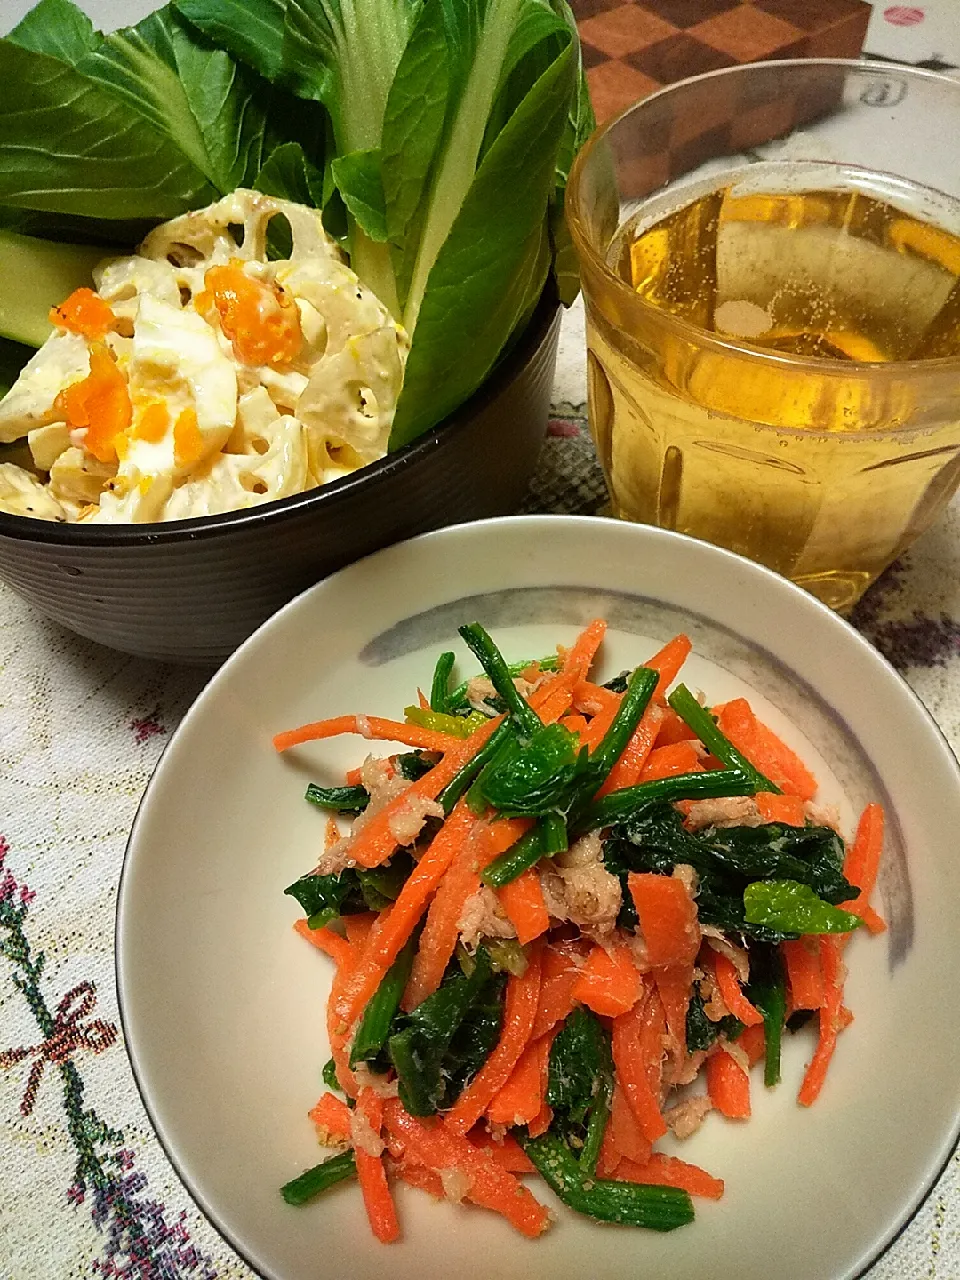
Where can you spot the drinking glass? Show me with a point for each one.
(821, 449)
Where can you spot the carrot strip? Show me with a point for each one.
(830, 1016)
(609, 1157)
(415, 1175)
(375, 843)
(675, 986)
(331, 944)
(354, 777)
(377, 1200)
(578, 659)
(631, 1035)
(753, 1043)
(668, 918)
(862, 863)
(667, 1171)
(609, 983)
(872, 919)
(396, 923)
(561, 966)
(375, 727)
(634, 756)
(731, 991)
(665, 762)
(801, 958)
(433, 1144)
(728, 1085)
(555, 703)
(506, 1151)
(358, 928)
(593, 699)
(783, 808)
(575, 722)
(673, 729)
(765, 750)
(518, 1102)
(332, 1119)
(668, 662)
(520, 1009)
(627, 1137)
(522, 900)
(542, 1122)
(338, 1033)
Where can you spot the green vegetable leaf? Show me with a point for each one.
(767, 991)
(657, 1208)
(440, 684)
(532, 780)
(190, 91)
(790, 907)
(72, 145)
(338, 799)
(58, 28)
(324, 898)
(358, 180)
(468, 300)
(581, 1083)
(321, 1177)
(252, 30)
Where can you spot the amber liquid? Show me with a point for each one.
(824, 469)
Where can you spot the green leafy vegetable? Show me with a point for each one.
(581, 1085)
(705, 727)
(791, 907)
(325, 898)
(493, 663)
(329, 1076)
(657, 1208)
(381, 1009)
(439, 687)
(701, 1032)
(548, 837)
(320, 1178)
(532, 780)
(435, 1045)
(767, 991)
(338, 799)
(456, 726)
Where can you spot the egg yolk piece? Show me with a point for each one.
(86, 313)
(260, 319)
(99, 404)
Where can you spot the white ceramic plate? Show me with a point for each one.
(223, 1005)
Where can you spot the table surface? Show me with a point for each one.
(85, 1189)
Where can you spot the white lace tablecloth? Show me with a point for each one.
(85, 1189)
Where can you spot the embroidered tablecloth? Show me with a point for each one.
(85, 1189)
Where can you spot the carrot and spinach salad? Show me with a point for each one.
(566, 921)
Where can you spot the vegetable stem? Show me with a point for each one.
(704, 726)
(492, 661)
(623, 804)
(320, 1178)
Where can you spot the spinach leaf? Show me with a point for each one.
(433, 1047)
(767, 991)
(791, 907)
(581, 1084)
(533, 780)
(412, 765)
(324, 898)
(701, 1032)
(338, 799)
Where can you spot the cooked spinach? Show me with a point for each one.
(581, 1085)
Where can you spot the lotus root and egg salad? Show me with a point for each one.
(568, 920)
(202, 375)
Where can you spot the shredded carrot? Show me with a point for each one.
(394, 926)
(673, 729)
(415, 1175)
(668, 917)
(631, 1036)
(332, 1119)
(575, 722)
(328, 941)
(519, 1101)
(674, 984)
(596, 730)
(436, 1146)
(354, 777)
(626, 1137)
(730, 990)
(728, 1085)
(542, 1122)
(594, 699)
(377, 1200)
(752, 1041)
(801, 958)
(357, 928)
(373, 727)
(783, 808)
(579, 658)
(666, 762)
(609, 983)
(765, 750)
(862, 863)
(377, 841)
(830, 1017)
(561, 967)
(506, 1151)
(630, 766)
(522, 900)
(667, 1171)
(668, 662)
(520, 1010)
(439, 938)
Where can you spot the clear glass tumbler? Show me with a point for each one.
(770, 260)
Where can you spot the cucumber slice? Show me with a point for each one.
(36, 275)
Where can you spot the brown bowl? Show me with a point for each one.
(192, 590)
